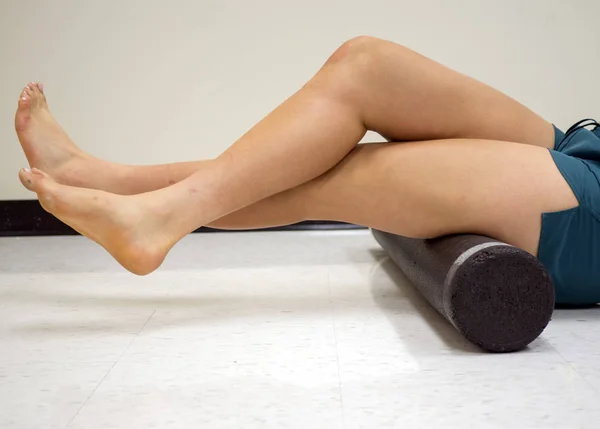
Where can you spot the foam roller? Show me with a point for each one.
(497, 296)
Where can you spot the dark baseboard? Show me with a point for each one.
(28, 218)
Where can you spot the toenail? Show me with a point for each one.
(27, 170)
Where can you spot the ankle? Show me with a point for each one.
(83, 171)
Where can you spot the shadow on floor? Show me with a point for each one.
(402, 293)
(87, 312)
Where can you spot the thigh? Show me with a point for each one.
(407, 97)
(434, 188)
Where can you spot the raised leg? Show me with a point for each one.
(404, 96)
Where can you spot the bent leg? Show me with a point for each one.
(387, 87)
(409, 97)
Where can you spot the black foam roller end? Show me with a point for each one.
(497, 296)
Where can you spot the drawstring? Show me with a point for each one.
(580, 125)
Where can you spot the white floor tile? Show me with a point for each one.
(287, 380)
(46, 394)
(265, 330)
(575, 336)
(65, 317)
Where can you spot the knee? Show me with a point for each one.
(357, 47)
(354, 61)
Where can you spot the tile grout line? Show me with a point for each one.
(109, 370)
(337, 355)
(572, 367)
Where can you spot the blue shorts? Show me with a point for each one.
(570, 239)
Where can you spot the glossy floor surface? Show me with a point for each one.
(265, 330)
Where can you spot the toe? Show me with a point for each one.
(35, 180)
(40, 87)
(40, 174)
(32, 96)
(24, 99)
(34, 91)
(34, 88)
(37, 96)
(27, 179)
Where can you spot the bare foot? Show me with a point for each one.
(128, 227)
(46, 145)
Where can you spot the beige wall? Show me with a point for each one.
(158, 81)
